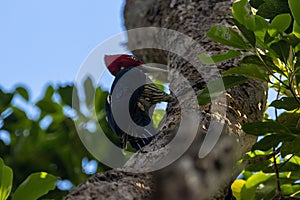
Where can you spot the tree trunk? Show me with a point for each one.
(190, 177)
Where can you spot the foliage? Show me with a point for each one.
(35, 186)
(267, 37)
(6, 178)
(42, 135)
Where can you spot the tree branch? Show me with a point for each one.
(189, 177)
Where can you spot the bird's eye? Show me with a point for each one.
(134, 58)
(108, 99)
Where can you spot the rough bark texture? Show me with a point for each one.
(189, 177)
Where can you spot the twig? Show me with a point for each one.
(277, 174)
(284, 163)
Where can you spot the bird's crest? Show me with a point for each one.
(115, 63)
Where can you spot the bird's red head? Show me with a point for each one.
(115, 63)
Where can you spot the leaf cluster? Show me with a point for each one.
(266, 38)
(36, 185)
(42, 135)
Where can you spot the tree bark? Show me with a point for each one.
(190, 177)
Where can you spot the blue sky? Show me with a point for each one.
(47, 41)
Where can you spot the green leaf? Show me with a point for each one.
(236, 188)
(256, 3)
(269, 40)
(65, 93)
(282, 49)
(270, 8)
(248, 34)
(280, 23)
(262, 128)
(254, 156)
(215, 88)
(289, 119)
(261, 27)
(247, 193)
(48, 106)
(6, 179)
(252, 59)
(35, 186)
(288, 166)
(294, 6)
(23, 92)
(268, 61)
(291, 147)
(295, 160)
(257, 179)
(249, 70)
(89, 91)
(5, 100)
(17, 120)
(49, 93)
(297, 51)
(268, 189)
(289, 189)
(292, 40)
(227, 36)
(287, 103)
(259, 166)
(208, 60)
(295, 130)
(296, 32)
(241, 12)
(271, 141)
(100, 98)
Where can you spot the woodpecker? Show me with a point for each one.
(140, 103)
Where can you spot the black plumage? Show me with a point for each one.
(140, 106)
